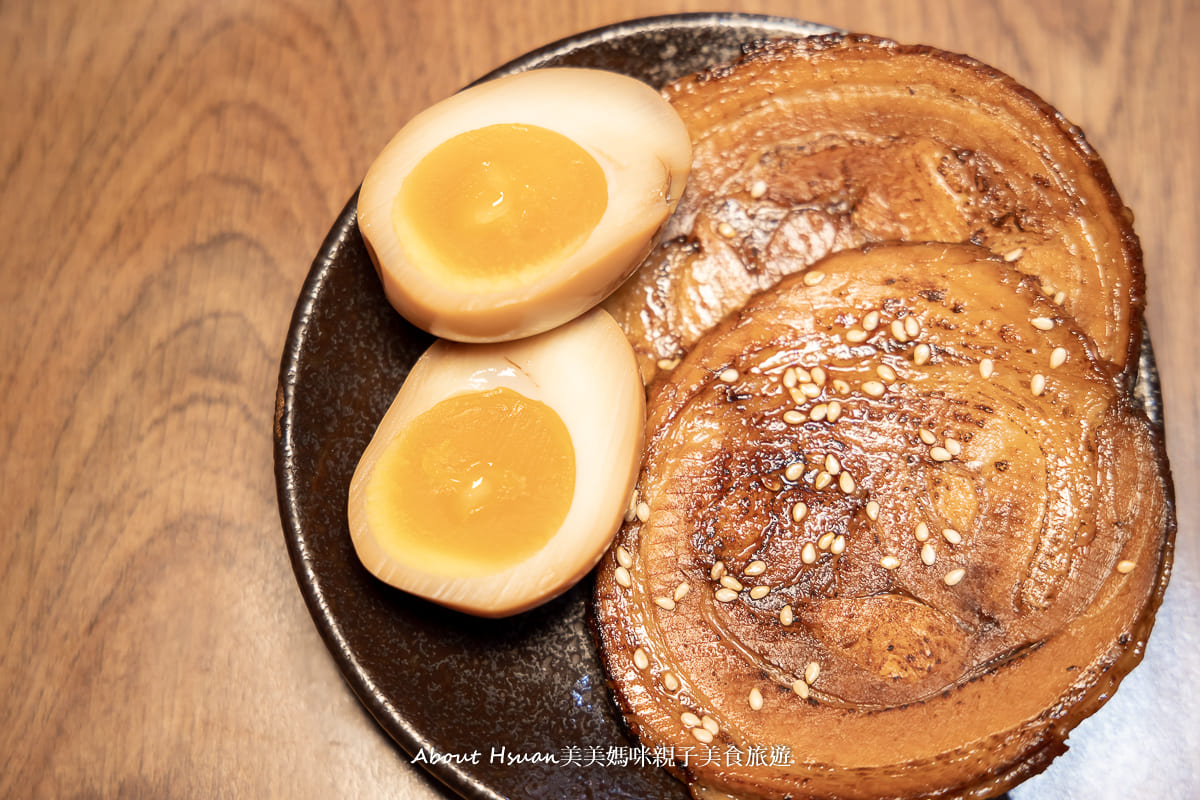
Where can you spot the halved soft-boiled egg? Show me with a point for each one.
(517, 204)
(500, 473)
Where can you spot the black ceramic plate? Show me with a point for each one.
(532, 686)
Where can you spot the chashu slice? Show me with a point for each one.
(812, 146)
(902, 530)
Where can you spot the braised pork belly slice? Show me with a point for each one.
(896, 519)
(812, 146)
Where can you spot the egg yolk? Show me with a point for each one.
(479, 482)
(502, 203)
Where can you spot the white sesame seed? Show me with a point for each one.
(800, 688)
(898, 332)
(921, 354)
(818, 376)
(940, 454)
(823, 480)
(952, 536)
(726, 230)
(953, 447)
(802, 375)
(889, 562)
(818, 412)
(846, 483)
(758, 189)
(797, 396)
(703, 736)
(872, 510)
(786, 616)
(667, 364)
(718, 569)
(794, 471)
(826, 540)
(840, 386)
(810, 390)
(834, 411)
(709, 724)
(681, 591)
(689, 719)
(1013, 255)
(1125, 567)
(789, 378)
(886, 372)
(755, 699)
(812, 672)
(813, 277)
(874, 388)
(921, 532)
(928, 556)
(643, 511)
(730, 582)
(856, 335)
(926, 435)
(640, 659)
(1059, 298)
(623, 577)
(871, 321)
(832, 465)
(670, 682)
(793, 417)
(665, 603)
(799, 511)
(1037, 384)
(954, 576)
(1058, 357)
(1042, 323)
(911, 327)
(728, 375)
(986, 368)
(808, 553)
(726, 595)
(623, 557)
(839, 545)
(755, 568)
(759, 592)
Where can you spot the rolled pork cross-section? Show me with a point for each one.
(813, 146)
(897, 519)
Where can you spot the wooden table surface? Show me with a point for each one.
(169, 170)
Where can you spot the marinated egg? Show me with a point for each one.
(500, 472)
(518, 204)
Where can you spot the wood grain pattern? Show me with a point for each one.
(169, 169)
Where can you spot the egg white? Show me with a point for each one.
(630, 130)
(586, 371)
